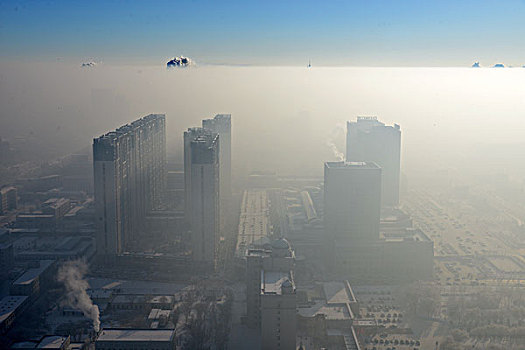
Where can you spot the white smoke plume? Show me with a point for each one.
(337, 133)
(71, 273)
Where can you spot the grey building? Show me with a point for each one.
(271, 301)
(368, 139)
(190, 135)
(221, 125)
(352, 200)
(123, 339)
(204, 198)
(129, 180)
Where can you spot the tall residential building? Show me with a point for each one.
(204, 198)
(190, 135)
(369, 140)
(352, 200)
(129, 180)
(221, 125)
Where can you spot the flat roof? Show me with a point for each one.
(9, 304)
(136, 335)
(272, 281)
(254, 221)
(352, 165)
(33, 273)
(51, 342)
(332, 312)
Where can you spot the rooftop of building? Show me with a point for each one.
(349, 337)
(337, 292)
(140, 298)
(332, 312)
(51, 342)
(31, 274)
(351, 165)
(126, 128)
(368, 122)
(404, 235)
(56, 202)
(272, 282)
(9, 304)
(136, 335)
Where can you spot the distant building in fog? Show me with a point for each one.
(190, 135)
(8, 199)
(130, 179)
(204, 197)
(221, 125)
(352, 201)
(368, 139)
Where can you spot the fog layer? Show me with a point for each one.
(284, 118)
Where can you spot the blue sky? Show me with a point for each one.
(377, 33)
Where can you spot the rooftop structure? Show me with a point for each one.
(136, 338)
(254, 221)
(30, 275)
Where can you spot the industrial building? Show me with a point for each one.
(369, 140)
(34, 280)
(130, 179)
(10, 308)
(133, 339)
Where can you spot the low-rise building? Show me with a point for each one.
(133, 339)
(8, 199)
(10, 308)
(34, 280)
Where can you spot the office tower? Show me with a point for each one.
(129, 180)
(221, 125)
(352, 201)
(205, 194)
(368, 139)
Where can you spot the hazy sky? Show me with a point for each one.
(375, 33)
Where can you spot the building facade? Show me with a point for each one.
(204, 199)
(221, 125)
(271, 303)
(352, 200)
(369, 140)
(129, 180)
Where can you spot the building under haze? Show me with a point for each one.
(129, 180)
(352, 201)
(271, 301)
(190, 135)
(221, 125)
(360, 243)
(368, 139)
(204, 197)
